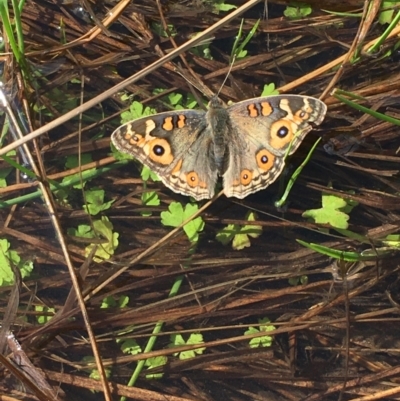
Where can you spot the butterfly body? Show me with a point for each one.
(245, 143)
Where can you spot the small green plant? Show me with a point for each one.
(114, 302)
(195, 338)
(155, 362)
(334, 211)
(297, 11)
(4, 172)
(160, 31)
(220, 5)
(180, 102)
(94, 373)
(240, 234)
(238, 52)
(102, 228)
(136, 110)
(387, 14)
(8, 258)
(46, 317)
(95, 201)
(177, 214)
(269, 90)
(262, 341)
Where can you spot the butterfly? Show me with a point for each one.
(245, 143)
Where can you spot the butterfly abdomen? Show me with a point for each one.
(219, 122)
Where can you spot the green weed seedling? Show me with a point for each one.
(220, 6)
(334, 211)
(95, 201)
(179, 102)
(240, 234)
(94, 373)
(238, 51)
(8, 258)
(114, 302)
(297, 11)
(270, 90)
(194, 339)
(102, 228)
(383, 117)
(48, 313)
(160, 31)
(262, 341)
(155, 362)
(136, 110)
(279, 203)
(386, 15)
(177, 214)
(4, 172)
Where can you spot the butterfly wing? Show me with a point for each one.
(176, 146)
(263, 129)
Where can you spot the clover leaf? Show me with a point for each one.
(177, 214)
(238, 234)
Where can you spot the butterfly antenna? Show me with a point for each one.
(228, 73)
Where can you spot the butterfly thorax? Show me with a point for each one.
(219, 122)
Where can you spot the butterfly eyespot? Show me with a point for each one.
(193, 181)
(159, 151)
(302, 115)
(282, 132)
(245, 177)
(265, 159)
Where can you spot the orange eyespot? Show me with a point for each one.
(245, 177)
(265, 159)
(281, 134)
(159, 151)
(193, 180)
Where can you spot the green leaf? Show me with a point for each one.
(195, 338)
(219, 5)
(93, 372)
(333, 212)
(175, 98)
(269, 90)
(150, 198)
(176, 215)
(113, 301)
(42, 319)
(95, 201)
(262, 341)
(155, 363)
(104, 230)
(130, 346)
(3, 174)
(136, 110)
(147, 174)
(240, 235)
(392, 240)
(386, 16)
(297, 10)
(347, 256)
(8, 257)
